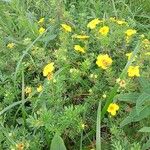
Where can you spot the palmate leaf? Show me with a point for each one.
(57, 143)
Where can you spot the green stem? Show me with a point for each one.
(23, 100)
(122, 75)
(81, 139)
(98, 128)
(15, 104)
(10, 106)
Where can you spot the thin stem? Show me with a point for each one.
(23, 100)
(81, 139)
(10, 106)
(98, 128)
(15, 104)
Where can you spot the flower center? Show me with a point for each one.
(105, 63)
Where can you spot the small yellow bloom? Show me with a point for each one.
(50, 76)
(142, 35)
(81, 37)
(133, 71)
(66, 27)
(39, 88)
(10, 45)
(112, 19)
(130, 32)
(90, 91)
(92, 24)
(28, 90)
(121, 82)
(54, 80)
(93, 76)
(104, 61)
(147, 53)
(129, 55)
(48, 69)
(146, 41)
(104, 96)
(79, 48)
(83, 126)
(41, 30)
(112, 108)
(41, 21)
(121, 22)
(104, 30)
(20, 146)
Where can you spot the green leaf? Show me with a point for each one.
(134, 116)
(128, 97)
(145, 83)
(146, 146)
(57, 143)
(48, 38)
(144, 97)
(145, 129)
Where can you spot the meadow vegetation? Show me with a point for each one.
(74, 75)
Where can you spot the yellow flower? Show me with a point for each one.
(142, 36)
(79, 48)
(48, 69)
(39, 88)
(147, 53)
(129, 55)
(81, 36)
(112, 19)
(41, 30)
(10, 45)
(28, 90)
(133, 71)
(49, 76)
(66, 27)
(104, 30)
(121, 22)
(92, 24)
(112, 108)
(104, 61)
(20, 146)
(104, 96)
(146, 41)
(41, 20)
(130, 32)
(83, 126)
(121, 82)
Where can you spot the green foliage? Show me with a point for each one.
(141, 110)
(57, 143)
(65, 108)
(145, 129)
